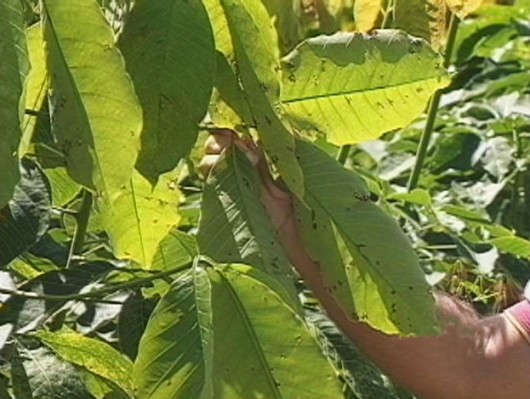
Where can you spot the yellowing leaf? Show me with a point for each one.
(462, 8)
(367, 13)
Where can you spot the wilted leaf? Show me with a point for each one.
(353, 87)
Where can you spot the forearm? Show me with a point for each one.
(474, 357)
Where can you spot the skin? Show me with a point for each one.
(473, 358)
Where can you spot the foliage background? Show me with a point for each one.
(467, 220)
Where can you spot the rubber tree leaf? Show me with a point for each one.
(140, 216)
(513, 245)
(170, 361)
(246, 354)
(462, 8)
(286, 15)
(37, 84)
(49, 377)
(234, 225)
(368, 13)
(169, 51)
(423, 18)
(13, 71)
(64, 189)
(353, 87)
(365, 259)
(254, 42)
(94, 355)
(217, 336)
(25, 219)
(95, 114)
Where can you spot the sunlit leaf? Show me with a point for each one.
(353, 87)
(37, 84)
(169, 51)
(244, 31)
(94, 355)
(462, 8)
(140, 216)
(365, 259)
(95, 114)
(367, 13)
(247, 354)
(14, 68)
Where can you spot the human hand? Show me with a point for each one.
(276, 201)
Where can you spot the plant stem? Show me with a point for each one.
(389, 11)
(94, 295)
(343, 154)
(434, 104)
(81, 225)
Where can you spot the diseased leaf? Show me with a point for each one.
(95, 114)
(352, 87)
(234, 225)
(140, 216)
(14, 68)
(26, 217)
(378, 279)
(169, 51)
(245, 32)
(94, 355)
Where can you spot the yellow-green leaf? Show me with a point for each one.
(353, 87)
(95, 114)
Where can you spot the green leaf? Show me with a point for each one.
(64, 189)
(95, 114)
(140, 216)
(254, 42)
(37, 84)
(170, 361)
(94, 355)
(513, 245)
(13, 71)
(169, 51)
(230, 346)
(365, 259)
(416, 196)
(176, 249)
(19, 378)
(353, 87)
(423, 18)
(286, 15)
(27, 216)
(247, 354)
(234, 225)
